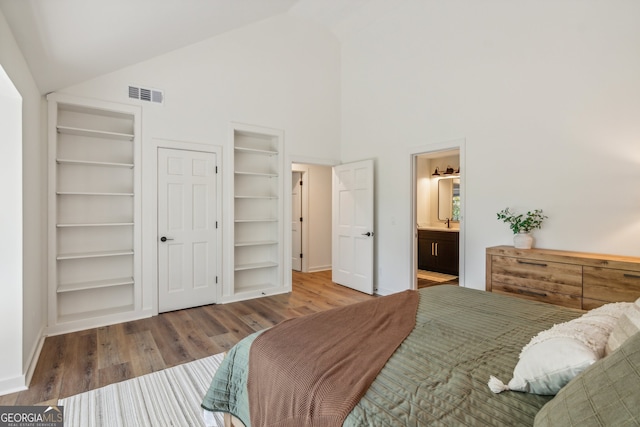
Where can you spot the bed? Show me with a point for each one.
(438, 375)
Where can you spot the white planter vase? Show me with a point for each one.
(522, 241)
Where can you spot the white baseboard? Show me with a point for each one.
(12, 385)
(319, 268)
(34, 356)
(384, 291)
(244, 296)
(21, 382)
(97, 322)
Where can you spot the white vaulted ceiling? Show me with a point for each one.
(69, 41)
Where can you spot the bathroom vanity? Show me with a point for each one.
(438, 250)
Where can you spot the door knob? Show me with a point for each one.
(368, 234)
(164, 239)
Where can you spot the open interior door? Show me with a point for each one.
(352, 234)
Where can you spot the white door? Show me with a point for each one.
(352, 236)
(187, 234)
(296, 221)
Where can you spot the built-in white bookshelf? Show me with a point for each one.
(258, 212)
(94, 212)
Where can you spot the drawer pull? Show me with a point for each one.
(531, 293)
(539, 264)
(631, 276)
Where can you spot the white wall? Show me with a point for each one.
(547, 97)
(23, 258)
(424, 198)
(320, 215)
(11, 220)
(281, 73)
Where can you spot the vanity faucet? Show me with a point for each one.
(448, 223)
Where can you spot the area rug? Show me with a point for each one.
(170, 397)
(434, 276)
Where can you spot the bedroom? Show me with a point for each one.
(545, 96)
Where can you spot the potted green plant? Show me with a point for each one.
(522, 225)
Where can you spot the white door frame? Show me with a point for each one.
(150, 223)
(304, 225)
(456, 144)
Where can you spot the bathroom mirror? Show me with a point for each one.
(449, 199)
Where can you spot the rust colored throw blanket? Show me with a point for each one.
(312, 370)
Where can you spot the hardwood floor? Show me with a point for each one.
(77, 362)
(424, 283)
(431, 278)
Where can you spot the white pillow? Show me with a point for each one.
(556, 355)
(627, 325)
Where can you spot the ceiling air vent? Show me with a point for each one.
(145, 94)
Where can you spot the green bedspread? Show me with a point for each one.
(438, 376)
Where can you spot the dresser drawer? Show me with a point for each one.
(605, 285)
(550, 282)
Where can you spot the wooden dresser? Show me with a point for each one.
(571, 279)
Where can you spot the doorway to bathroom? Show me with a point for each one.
(437, 223)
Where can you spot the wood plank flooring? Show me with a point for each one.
(77, 362)
(425, 283)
